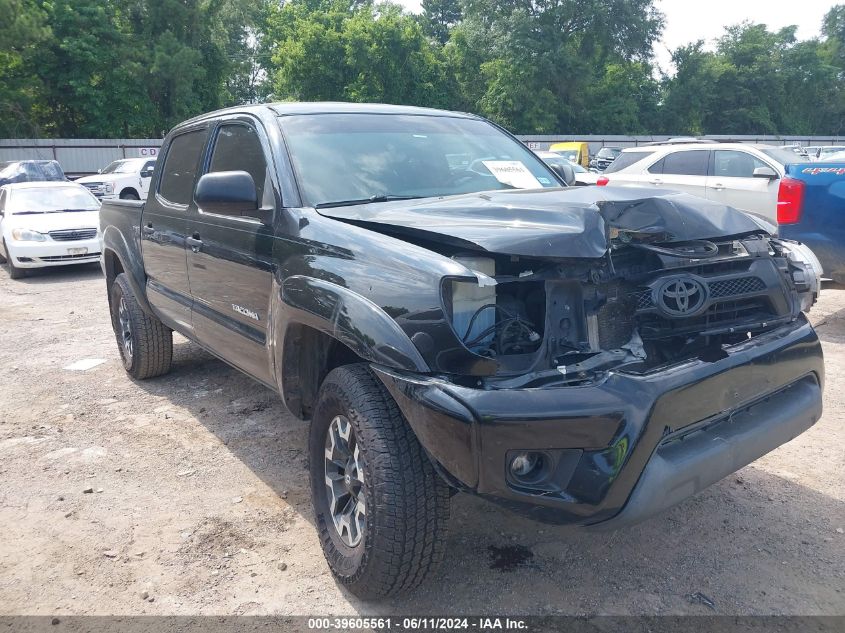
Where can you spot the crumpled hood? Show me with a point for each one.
(565, 223)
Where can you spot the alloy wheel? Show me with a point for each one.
(125, 328)
(345, 481)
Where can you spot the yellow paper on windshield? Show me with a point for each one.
(513, 173)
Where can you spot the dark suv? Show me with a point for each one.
(451, 317)
(604, 157)
(30, 171)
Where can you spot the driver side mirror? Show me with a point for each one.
(228, 193)
(765, 172)
(566, 173)
(147, 173)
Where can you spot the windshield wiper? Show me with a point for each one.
(376, 198)
(53, 211)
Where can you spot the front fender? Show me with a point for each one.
(129, 256)
(352, 319)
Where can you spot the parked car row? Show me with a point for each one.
(740, 175)
(48, 220)
(47, 224)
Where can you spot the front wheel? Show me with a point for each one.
(129, 195)
(145, 343)
(382, 511)
(14, 271)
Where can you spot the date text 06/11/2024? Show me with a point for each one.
(418, 624)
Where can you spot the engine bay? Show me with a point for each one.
(643, 306)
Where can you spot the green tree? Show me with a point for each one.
(89, 76)
(439, 16)
(756, 82)
(364, 52)
(534, 66)
(23, 29)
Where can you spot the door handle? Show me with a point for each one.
(194, 242)
(148, 229)
(656, 181)
(719, 186)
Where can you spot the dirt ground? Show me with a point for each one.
(188, 494)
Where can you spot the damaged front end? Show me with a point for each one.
(599, 381)
(651, 301)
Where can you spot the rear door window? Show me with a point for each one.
(180, 167)
(692, 163)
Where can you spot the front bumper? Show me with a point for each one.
(629, 446)
(53, 253)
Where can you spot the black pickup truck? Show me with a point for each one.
(451, 317)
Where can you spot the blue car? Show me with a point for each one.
(811, 209)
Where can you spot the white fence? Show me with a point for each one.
(78, 157)
(85, 156)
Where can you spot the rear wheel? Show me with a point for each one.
(145, 343)
(382, 511)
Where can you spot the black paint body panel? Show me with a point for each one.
(620, 424)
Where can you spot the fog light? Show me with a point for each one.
(527, 467)
(524, 463)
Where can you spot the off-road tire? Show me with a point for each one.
(151, 341)
(407, 503)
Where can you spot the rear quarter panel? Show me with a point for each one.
(822, 222)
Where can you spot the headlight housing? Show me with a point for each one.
(806, 271)
(108, 187)
(25, 235)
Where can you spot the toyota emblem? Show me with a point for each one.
(682, 296)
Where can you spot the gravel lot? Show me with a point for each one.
(188, 494)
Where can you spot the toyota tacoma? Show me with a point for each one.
(450, 316)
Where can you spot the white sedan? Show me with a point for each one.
(47, 224)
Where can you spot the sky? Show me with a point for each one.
(690, 20)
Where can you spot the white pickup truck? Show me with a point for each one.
(128, 179)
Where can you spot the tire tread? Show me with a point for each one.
(153, 344)
(408, 540)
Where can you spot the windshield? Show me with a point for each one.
(608, 152)
(50, 200)
(353, 157)
(122, 167)
(626, 159)
(831, 150)
(782, 156)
